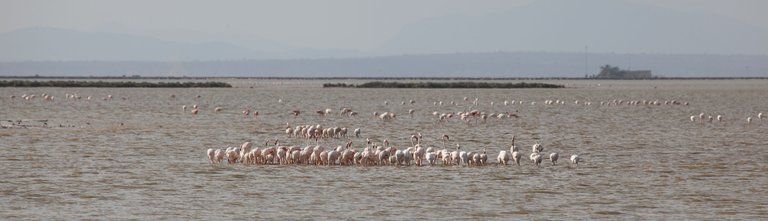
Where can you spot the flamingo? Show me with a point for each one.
(455, 155)
(333, 156)
(575, 159)
(474, 158)
(503, 157)
(553, 157)
(211, 155)
(414, 139)
(324, 158)
(537, 148)
(483, 157)
(408, 155)
(233, 155)
(399, 156)
(383, 157)
(536, 158)
(516, 156)
(463, 156)
(219, 155)
(419, 154)
(431, 158)
(245, 148)
(445, 138)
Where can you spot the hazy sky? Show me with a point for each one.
(341, 24)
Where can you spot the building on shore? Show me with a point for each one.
(610, 72)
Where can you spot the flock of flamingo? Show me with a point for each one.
(373, 154)
(442, 117)
(48, 97)
(701, 118)
(385, 154)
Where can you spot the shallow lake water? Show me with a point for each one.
(140, 156)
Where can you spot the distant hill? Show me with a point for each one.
(37, 44)
(541, 26)
(54, 44)
(497, 64)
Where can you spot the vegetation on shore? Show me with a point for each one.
(463, 84)
(23, 83)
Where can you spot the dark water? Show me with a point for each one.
(138, 156)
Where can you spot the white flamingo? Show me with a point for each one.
(516, 155)
(537, 148)
(463, 156)
(553, 157)
(455, 155)
(483, 158)
(445, 138)
(536, 158)
(211, 155)
(431, 158)
(503, 157)
(575, 159)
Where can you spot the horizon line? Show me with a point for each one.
(375, 78)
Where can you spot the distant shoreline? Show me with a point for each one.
(129, 78)
(112, 84)
(428, 84)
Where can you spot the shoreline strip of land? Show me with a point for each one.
(123, 84)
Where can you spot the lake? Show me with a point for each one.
(140, 156)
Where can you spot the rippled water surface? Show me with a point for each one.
(138, 156)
